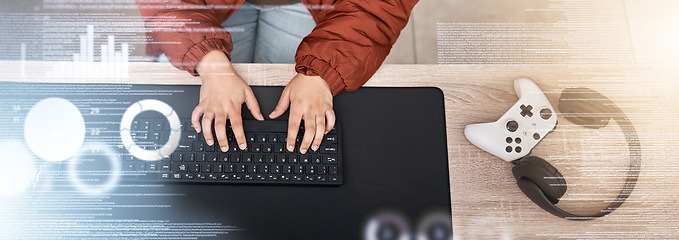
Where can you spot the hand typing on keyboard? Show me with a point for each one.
(222, 94)
(309, 99)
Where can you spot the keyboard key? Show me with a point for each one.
(247, 158)
(165, 167)
(176, 176)
(267, 148)
(305, 159)
(329, 160)
(201, 157)
(235, 157)
(273, 137)
(201, 176)
(333, 179)
(258, 158)
(140, 166)
(199, 147)
(276, 169)
(256, 148)
(240, 168)
(189, 136)
(334, 170)
(282, 159)
(278, 148)
(261, 138)
(322, 170)
(264, 169)
(310, 170)
(217, 168)
(180, 167)
(184, 147)
(299, 169)
(229, 168)
(206, 167)
(252, 168)
(293, 159)
(316, 159)
(158, 125)
(190, 157)
(250, 137)
(212, 177)
(177, 157)
(128, 166)
(330, 138)
(195, 168)
(224, 157)
(287, 169)
(325, 150)
(270, 158)
(189, 176)
(212, 157)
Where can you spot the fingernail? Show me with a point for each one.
(314, 148)
(291, 148)
(209, 142)
(302, 151)
(242, 146)
(197, 130)
(224, 149)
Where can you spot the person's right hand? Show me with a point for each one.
(222, 95)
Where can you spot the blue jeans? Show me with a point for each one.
(266, 34)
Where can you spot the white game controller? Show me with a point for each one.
(519, 130)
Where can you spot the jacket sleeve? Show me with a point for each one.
(186, 30)
(351, 40)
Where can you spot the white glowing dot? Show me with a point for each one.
(18, 168)
(54, 129)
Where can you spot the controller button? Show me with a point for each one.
(508, 149)
(509, 140)
(545, 113)
(526, 110)
(518, 149)
(512, 126)
(536, 136)
(517, 140)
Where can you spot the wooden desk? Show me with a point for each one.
(486, 202)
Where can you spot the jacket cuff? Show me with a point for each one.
(198, 51)
(311, 66)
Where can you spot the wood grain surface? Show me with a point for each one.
(486, 202)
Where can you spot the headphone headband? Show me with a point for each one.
(590, 102)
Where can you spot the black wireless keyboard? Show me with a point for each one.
(264, 161)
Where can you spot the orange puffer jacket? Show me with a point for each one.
(349, 43)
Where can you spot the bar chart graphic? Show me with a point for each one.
(111, 62)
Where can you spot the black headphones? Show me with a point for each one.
(542, 182)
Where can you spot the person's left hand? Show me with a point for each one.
(309, 99)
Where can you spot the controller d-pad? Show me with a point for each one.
(526, 110)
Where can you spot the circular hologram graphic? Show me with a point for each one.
(54, 129)
(150, 105)
(89, 156)
(18, 168)
(436, 225)
(387, 225)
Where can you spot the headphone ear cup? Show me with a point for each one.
(544, 175)
(585, 107)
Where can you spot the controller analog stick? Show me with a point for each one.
(545, 113)
(512, 126)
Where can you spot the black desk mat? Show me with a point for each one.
(395, 174)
